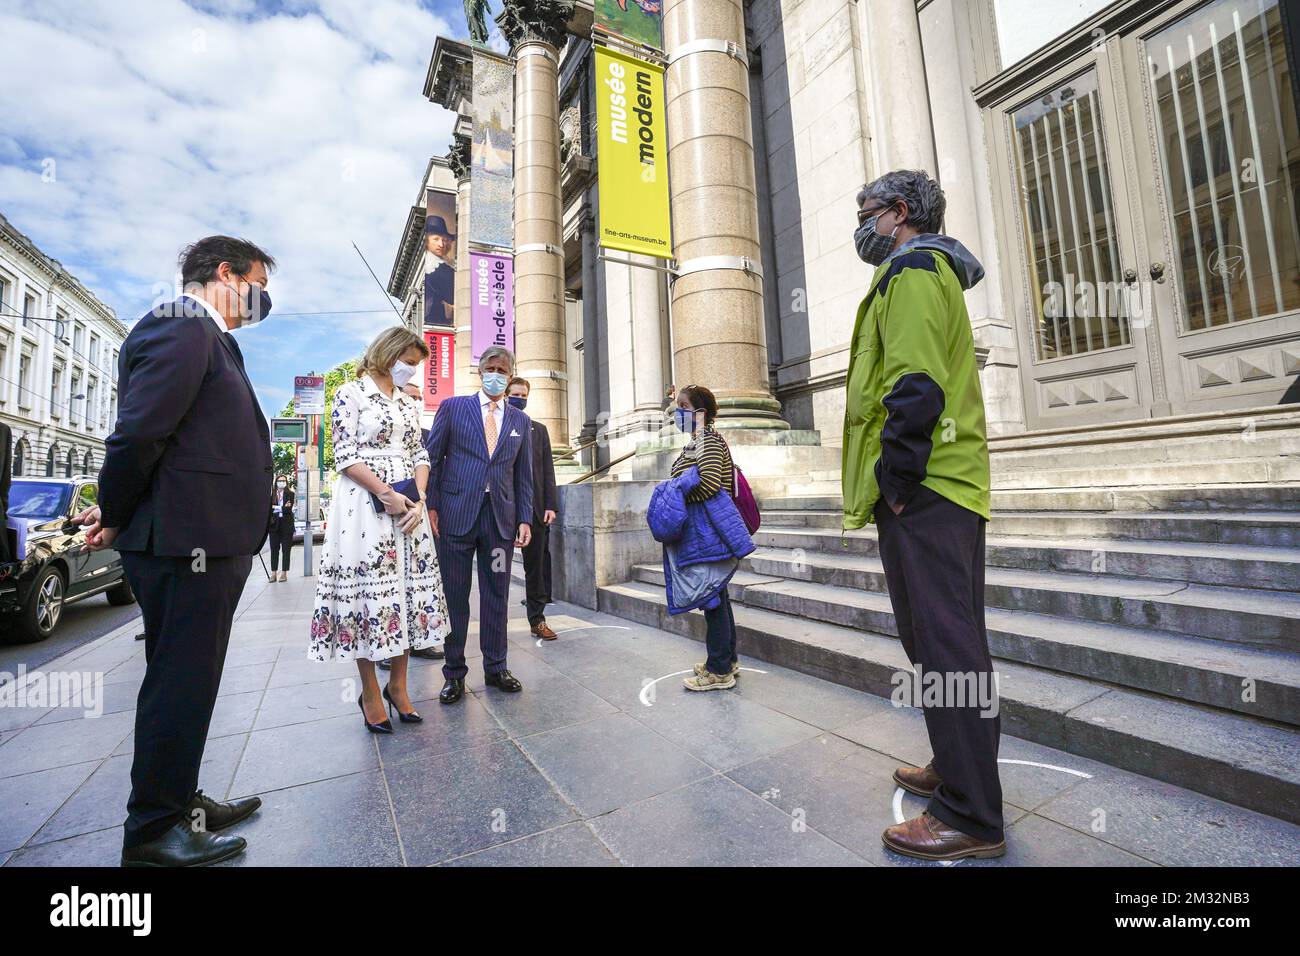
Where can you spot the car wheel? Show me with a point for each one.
(121, 594)
(44, 607)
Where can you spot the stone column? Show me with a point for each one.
(466, 372)
(539, 252)
(904, 137)
(719, 339)
(590, 333)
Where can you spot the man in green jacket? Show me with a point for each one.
(916, 463)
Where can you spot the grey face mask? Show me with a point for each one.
(873, 248)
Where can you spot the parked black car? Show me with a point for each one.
(52, 566)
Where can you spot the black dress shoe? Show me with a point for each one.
(217, 815)
(429, 653)
(452, 691)
(504, 682)
(182, 845)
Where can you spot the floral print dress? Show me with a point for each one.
(378, 590)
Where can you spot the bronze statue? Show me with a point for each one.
(476, 12)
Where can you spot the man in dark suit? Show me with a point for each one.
(182, 497)
(537, 555)
(480, 504)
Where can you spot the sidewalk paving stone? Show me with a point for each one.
(604, 759)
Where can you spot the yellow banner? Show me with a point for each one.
(633, 155)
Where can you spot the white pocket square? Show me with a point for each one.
(513, 433)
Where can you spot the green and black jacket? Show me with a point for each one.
(914, 412)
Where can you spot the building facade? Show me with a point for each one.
(58, 362)
(1127, 172)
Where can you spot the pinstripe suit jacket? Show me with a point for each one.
(460, 470)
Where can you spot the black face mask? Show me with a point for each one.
(518, 401)
(873, 248)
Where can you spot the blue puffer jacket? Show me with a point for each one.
(703, 542)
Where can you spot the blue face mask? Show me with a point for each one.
(518, 401)
(685, 421)
(494, 383)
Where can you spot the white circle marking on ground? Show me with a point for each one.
(642, 695)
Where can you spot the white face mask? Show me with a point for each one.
(279, 484)
(402, 373)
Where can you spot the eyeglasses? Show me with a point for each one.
(865, 214)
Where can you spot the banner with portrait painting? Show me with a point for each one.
(491, 155)
(439, 258)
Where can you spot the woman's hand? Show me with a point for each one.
(410, 521)
(394, 502)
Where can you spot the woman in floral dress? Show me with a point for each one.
(378, 590)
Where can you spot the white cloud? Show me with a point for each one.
(302, 129)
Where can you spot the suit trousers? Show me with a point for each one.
(537, 572)
(281, 540)
(933, 555)
(187, 617)
(456, 558)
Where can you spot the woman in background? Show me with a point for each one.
(281, 527)
(708, 451)
(378, 590)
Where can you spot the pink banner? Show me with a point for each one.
(492, 302)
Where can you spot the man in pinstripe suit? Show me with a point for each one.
(480, 506)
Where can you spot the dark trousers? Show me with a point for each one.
(281, 539)
(456, 559)
(537, 572)
(720, 636)
(933, 555)
(187, 617)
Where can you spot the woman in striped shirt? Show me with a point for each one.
(707, 450)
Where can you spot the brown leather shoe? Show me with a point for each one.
(928, 838)
(921, 781)
(540, 629)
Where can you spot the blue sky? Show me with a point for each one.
(298, 124)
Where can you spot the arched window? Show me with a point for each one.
(20, 456)
(72, 462)
(49, 461)
(88, 465)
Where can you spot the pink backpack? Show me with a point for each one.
(745, 503)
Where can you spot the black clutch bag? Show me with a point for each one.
(404, 487)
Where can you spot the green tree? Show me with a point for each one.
(284, 454)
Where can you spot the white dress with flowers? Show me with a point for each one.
(378, 590)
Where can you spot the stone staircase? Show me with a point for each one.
(1155, 627)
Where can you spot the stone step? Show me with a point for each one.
(1279, 529)
(1274, 470)
(1179, 665)
(1244, 760)
(1202, 499)
(1254, 617)
(1243, 566)
(1157, 448)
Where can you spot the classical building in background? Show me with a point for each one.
(1141, 265)
(58, 362)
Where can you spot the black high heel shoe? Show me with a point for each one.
(383, 727)
(412, 718)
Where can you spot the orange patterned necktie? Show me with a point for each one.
(490, 427)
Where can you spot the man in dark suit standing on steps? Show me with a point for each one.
(182, 497)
